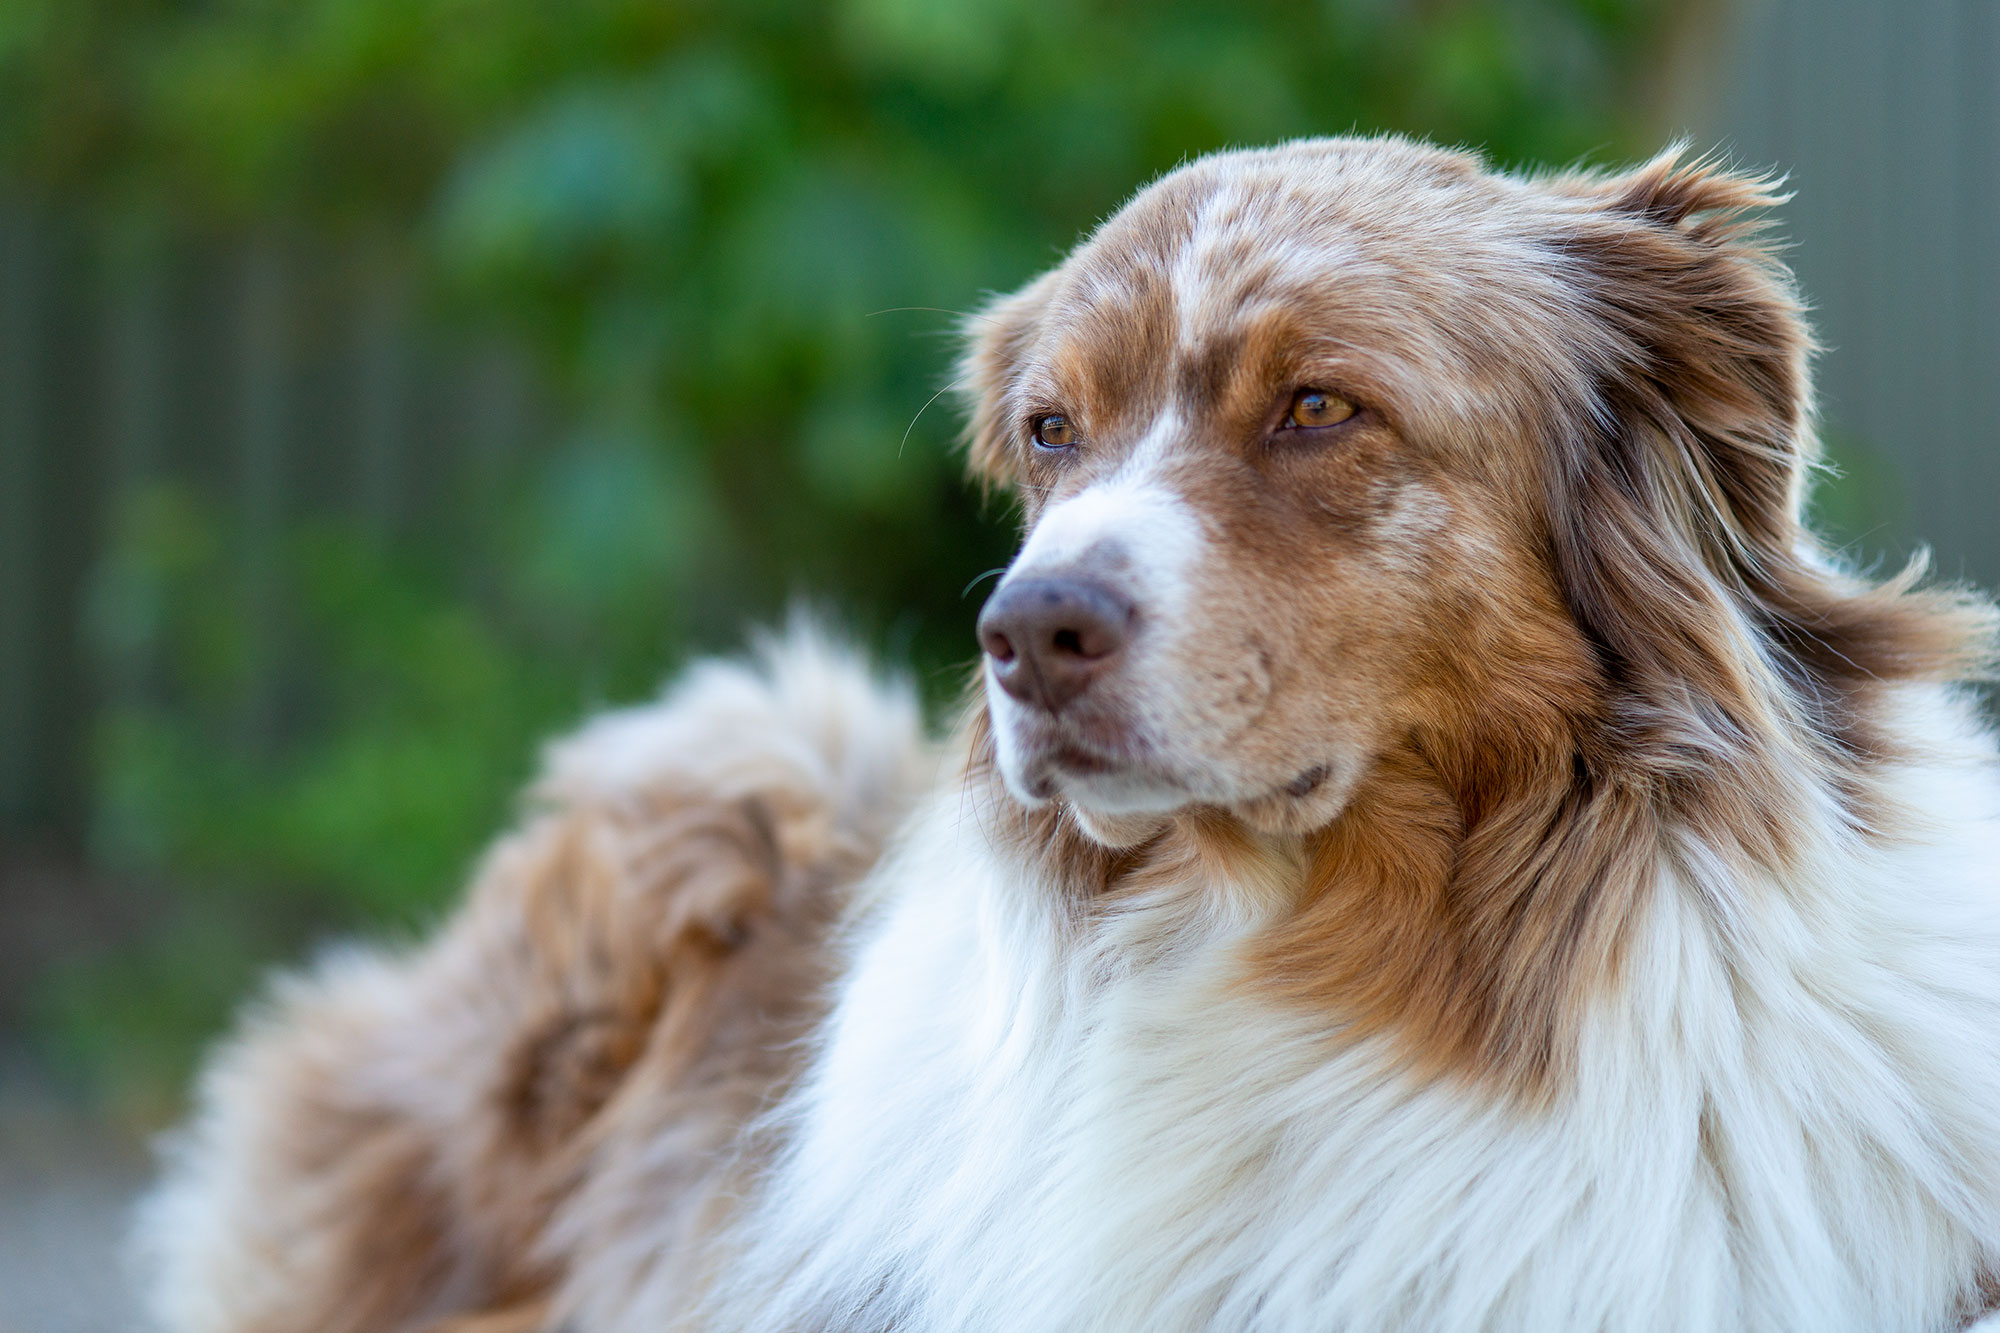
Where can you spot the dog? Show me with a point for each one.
(1437, 844)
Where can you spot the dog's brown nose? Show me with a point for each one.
(1049, 637)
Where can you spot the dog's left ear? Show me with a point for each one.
(1682, 462)
(997, 339)
(1675, 515)
(1703, 381)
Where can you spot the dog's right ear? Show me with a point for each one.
(997, 338)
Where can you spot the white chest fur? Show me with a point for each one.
(1787, 1116)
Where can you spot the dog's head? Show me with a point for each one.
(1355, 444)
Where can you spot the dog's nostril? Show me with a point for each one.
(1049, 637)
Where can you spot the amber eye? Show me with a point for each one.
(1054, 432)
(1317, 407)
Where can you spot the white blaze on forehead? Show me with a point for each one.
(1207, 270)
(1196, 259)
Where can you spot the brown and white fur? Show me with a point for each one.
(1508, 876)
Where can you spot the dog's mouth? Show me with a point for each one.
(1112, 771)
(1099, 755)
(1073, 768)
(1091, 761)
(1308, 782)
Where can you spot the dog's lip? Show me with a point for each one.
(1086, 747)
(1081, 760)
(1308, 782)
(1056, 752)
(1079, 769)
(1064, 759)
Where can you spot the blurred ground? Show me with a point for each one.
(66, 1188)
(68, 1175)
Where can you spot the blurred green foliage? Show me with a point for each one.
(735, 237)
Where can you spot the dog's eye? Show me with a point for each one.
(1317, 407)
(1054, 432)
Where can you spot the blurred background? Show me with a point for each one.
(386, 384)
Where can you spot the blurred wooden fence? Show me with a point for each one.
(1885, 114)
(282, 379)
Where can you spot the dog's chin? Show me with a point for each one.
(1121, 803)
(1120, 808)
(1118, 832)
(1117, 800)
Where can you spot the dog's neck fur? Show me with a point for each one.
(1483, 881)
(1684, 1080)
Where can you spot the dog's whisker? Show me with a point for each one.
(978, 579)
(929, 309)
(920, 412)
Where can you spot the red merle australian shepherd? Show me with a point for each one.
(1440, 847)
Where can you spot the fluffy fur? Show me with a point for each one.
(1513, 879)
(551, 1087)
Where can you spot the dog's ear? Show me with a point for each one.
(997, 337)
(1675, 513)
(1703, 380)
(1680, 468)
